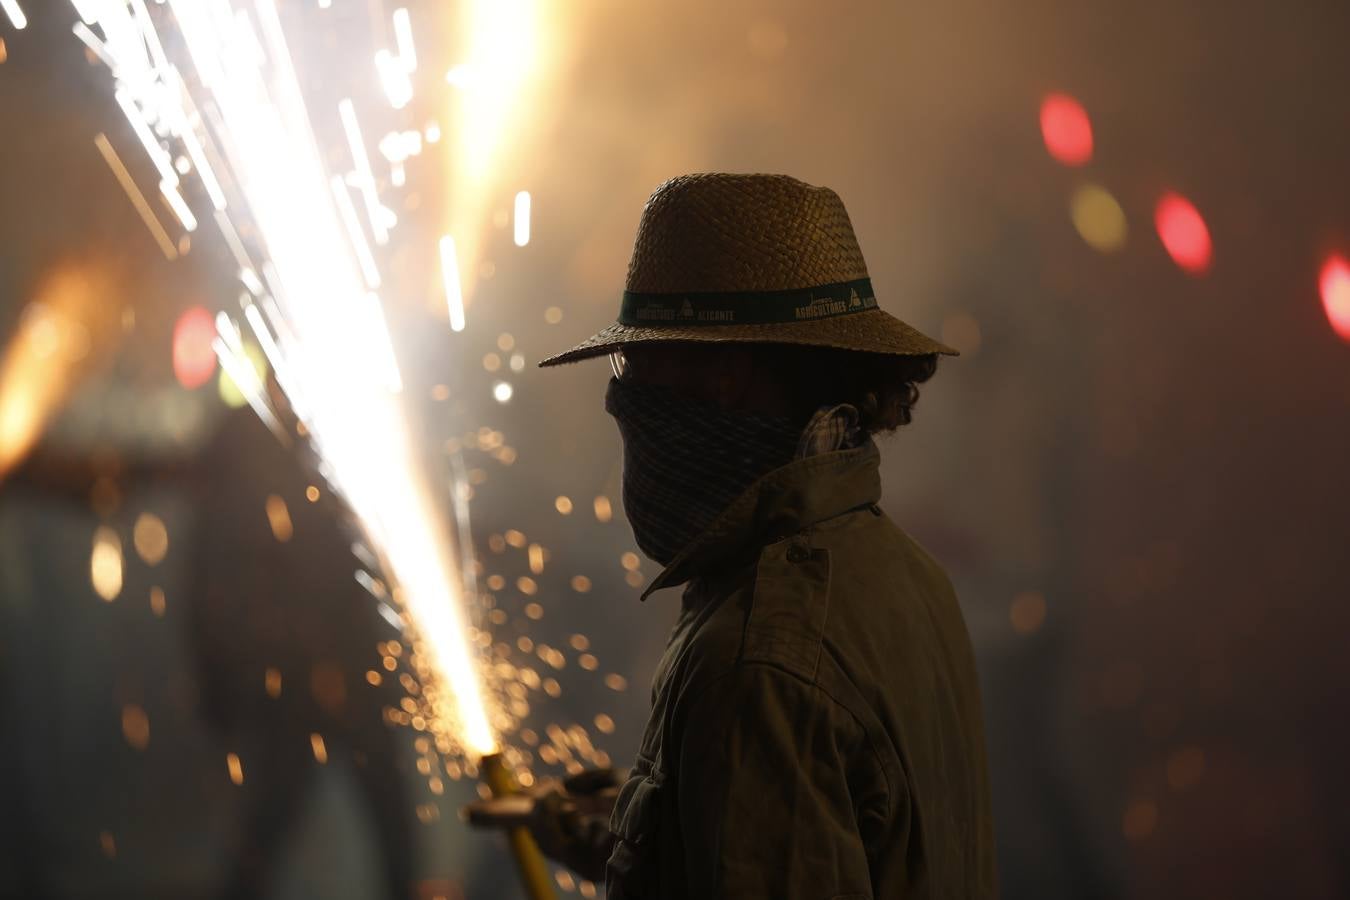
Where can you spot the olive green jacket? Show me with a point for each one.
(816, 728)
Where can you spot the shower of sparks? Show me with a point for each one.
(324, 331)
(233, 129)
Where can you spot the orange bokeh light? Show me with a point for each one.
(1335, 285)
(1184, 233)
(1067, 130)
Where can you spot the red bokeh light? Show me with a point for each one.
(1184, 233)
(1066, 129)
(1335, 284)
(194, 362)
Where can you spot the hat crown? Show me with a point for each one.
(718, 232)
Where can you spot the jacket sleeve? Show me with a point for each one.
(764, 805)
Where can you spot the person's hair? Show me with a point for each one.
(884, 388)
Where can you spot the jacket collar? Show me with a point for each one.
(783, 502)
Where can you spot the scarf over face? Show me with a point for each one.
(685, 460)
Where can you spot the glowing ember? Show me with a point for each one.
(1184, 233)
(320, 749)
(1335, 285)
(235, 768)
(1066, 129)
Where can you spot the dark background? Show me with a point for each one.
(1158, 458)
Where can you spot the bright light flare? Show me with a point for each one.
(1335, 286)
(1066, 129)
(1184, 233)
(506, 52)
(38, 367)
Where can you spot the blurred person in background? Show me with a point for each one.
(816, 728)
(284, 636)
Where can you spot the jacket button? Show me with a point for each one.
(797, 554)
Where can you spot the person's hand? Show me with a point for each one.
(569, 819)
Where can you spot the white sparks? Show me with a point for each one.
(16, 16)
(152, 146)
(383, 348)
(90, 40)
(134, 194)
(502, 391)
(461, 76)
(232, 240)
(251, 281)
(85, 10)
(354, 233)
(522, 218)
(365, 178)
(454, 295)
(394, 79)
(178, 205)
(403, 35)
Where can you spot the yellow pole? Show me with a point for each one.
(534, 874)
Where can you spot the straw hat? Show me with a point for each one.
(750, 259)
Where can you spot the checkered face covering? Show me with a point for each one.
(684, 461)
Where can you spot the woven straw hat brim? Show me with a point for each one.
(873, 331)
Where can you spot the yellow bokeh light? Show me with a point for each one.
(105, 564)
(279, 518)
(1098, 218)
(135, 726)
(230, 394)
(151, 538)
